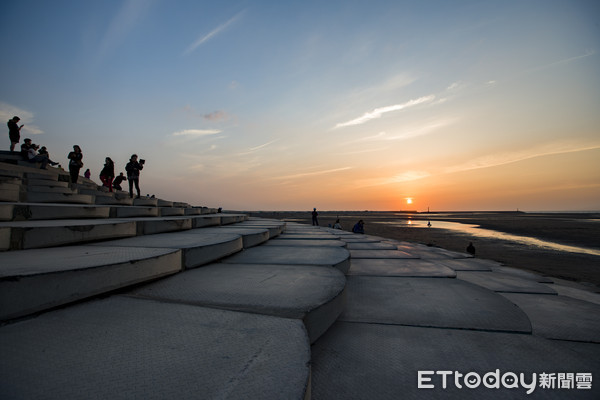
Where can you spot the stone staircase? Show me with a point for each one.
(158, 299)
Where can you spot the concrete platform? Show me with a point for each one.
(305, 242)
(133, 211)
(375, 361)
(441, 303)
(198, 248)
(251, 236)
(500, 282)
(124, 348)
(519, 273)
(36, 211)
(307, 236)
(370, 246)
(151, 226)
(48, 233)
(69, 198)
(468, 264)
(36, 280)
(387, 254)
(335, 257)
(399, 267)
(312, 294)
(560, 317)
(227, 219)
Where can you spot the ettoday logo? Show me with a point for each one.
(508, 380)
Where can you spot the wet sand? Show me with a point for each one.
(568, 229)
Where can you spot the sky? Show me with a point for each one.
(460, 105)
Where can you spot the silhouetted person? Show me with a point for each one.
(108, 173)
(25, 149)
(337, 224)
(44, 152)
(87, 174)
(133, 169)
(75, 163)
(359, 227)
(471, 248)
(315, 214)
(14, 132)
(118, 180)
(34, 157)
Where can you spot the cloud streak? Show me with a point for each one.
(378, 112)
(304, 174)
(197, 132)
(205, 38)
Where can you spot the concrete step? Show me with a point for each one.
(47, 182)
(40, 279)
(133, 211)
(124, 348)
(250, 236)
(107, 199)
(171, 211)
(38, 234)
(41, 197)
(198, 247)
(36, 211)
(50, 189)
(145, 202)
(314, 295)
(153, 225)
(227, 219)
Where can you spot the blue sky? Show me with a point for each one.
(328, 104)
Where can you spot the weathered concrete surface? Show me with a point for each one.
(399, 267)
(124, 348)
(501, 282)
(371, 246)
(441, 303)
(560, 317)
(305, 242)
(388, 254)
(377, 361)
(250, 236)
(335, 257)
(313, 294)
(39, 279)
(198, 248)
(34, 211)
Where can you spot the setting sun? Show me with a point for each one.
(409, 200)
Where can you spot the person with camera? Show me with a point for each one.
(133, 169)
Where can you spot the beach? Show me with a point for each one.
(504, 244)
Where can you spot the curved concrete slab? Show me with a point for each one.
(250, 236)
(151, 226)
(442, 303)
(468, 264)
(39, 279)
(560, 317)
(33, 211)
(47, 233)
(399, 267)
(335, 257)
(198, 248)
(575, 293)
(124, 348)
(499, 282)
(305, 242)
(522, 274)
(371, 246)
(380, 254)
(312, 294)
(308, 236)
(372, 361)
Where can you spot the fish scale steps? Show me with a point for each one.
(121, 290)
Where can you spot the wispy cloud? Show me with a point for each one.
(314, 173)
(494, 160)
(406, 176)
(408, 133)
(257, 148)
(7, 111)
(563, 61)
(378, 112)
(205, 38)
(197, 132)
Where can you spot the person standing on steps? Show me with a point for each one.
(133, 169)
(14, 132)
(108, 174)
(75, 163)
(315, 214)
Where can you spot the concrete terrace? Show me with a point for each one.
(104, 297)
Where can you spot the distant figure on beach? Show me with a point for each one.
(471, 248)
(108, 173)
(133, 169)
(429, 224)
(14, 132)
(87, 174)
(359, 227)
(315, 214)
(118, 180)
(75, 163)
(337, 224)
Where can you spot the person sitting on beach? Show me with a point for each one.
(359, 227)
(337, 224)
(118, 180)
(34, 157)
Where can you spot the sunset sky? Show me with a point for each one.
(338, 105)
